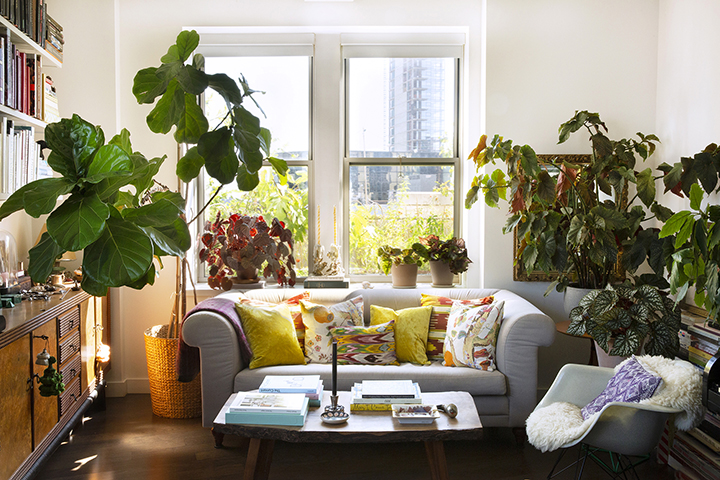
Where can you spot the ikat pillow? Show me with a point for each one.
(373, 345)
(438, 321)
(319, 319)
(471, 336)
(631, 383)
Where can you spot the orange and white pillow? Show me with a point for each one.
(319, 320)
(471, 336)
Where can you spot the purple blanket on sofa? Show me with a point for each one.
(187, 364)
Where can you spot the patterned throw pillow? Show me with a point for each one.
(271, 334)
(471, 335)
(319, 319)
(438, 321)
(295, 313)
(631, 383)
(373, 345)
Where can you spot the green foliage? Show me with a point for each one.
(116, 232)
(628, 317)
(575, 219)
(388, 256)
(451, 251)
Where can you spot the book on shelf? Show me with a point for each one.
(269, 403)
(290, 384)
(264, 418)
(357, 397)
(711, 443)
(388, 389)
(50, 103)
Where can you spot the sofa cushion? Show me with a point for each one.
(271, 334)
(319, 319)
(431, 378)
(373, 345)
(295, 313)
(472, 333)
(411, 330)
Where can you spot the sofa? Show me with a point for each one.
(503, 397)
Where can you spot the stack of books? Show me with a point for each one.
(382, 394)
(54, 39)
(704, 342)
(288, 409)
(309, 385)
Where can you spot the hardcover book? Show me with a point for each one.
(269, 403)
(357, 397)
(261, 418)
(388, 389)
(291, 384)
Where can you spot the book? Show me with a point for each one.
(291, 384)
(269, 403)
(388, 389)
(357, 398)
(370, 407)
(712, 443)
(262, 418)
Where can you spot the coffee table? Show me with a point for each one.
(362, 427)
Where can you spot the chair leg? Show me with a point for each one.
(585, 448)
(562, 453)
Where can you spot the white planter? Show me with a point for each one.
(441, 274)
(404, 276)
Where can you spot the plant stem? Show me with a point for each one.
(207, 204)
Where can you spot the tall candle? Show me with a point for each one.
(334, 368)
(317, 240)
(334, 225)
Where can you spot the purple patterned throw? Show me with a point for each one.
(631, 383)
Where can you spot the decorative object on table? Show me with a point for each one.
(450, 409)
(236, 247)
(334, 413)
(401, 263)
(327, 273)
(624, 318)
(415, 414)
(575, 218)
(8, 261)
(446, 258)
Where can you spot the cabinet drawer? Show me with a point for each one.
(69, 321)
(69, 347)
(69, 396)
(71, 369)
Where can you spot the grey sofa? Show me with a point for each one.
(504, 397)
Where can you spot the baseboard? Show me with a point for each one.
(128, 386)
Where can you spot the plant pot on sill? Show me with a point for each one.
(404, 276)
(441, 274)
(170, 398)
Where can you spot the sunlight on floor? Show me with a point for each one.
(82, 462)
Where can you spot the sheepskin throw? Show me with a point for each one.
(550, 427)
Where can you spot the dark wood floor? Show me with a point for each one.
(126, 441)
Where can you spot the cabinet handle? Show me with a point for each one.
(72, 373)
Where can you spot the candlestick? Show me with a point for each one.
(317, 240)
(334, 225)
(334, 368)
(334, 413)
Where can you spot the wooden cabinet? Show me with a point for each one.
(70, 329)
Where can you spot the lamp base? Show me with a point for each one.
(334, 413)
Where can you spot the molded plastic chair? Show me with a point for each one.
(621, 428)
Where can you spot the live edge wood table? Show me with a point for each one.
(362, 427)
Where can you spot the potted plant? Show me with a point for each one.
(235, 248)
(576, 220)
(401, 263)
(693, 256)
(446, 258)
(626, 318)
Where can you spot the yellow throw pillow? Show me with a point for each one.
(411, 331)
(271, 333)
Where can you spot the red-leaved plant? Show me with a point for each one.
(240, 243)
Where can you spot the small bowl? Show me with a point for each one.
(415, 413)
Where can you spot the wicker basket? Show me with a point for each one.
(170, 398)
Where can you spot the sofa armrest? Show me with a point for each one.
(524, 329)
(220, 359)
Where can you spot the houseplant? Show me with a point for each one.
(577, 219)
(446, 258)
(624, 318)
(237, 246)
(693, 253)
(401, 263)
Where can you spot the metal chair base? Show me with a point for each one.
(617, 466)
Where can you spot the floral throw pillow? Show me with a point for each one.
(438, 321)
(373, 345)
(631, 383)
(319, 319)
(472, 333)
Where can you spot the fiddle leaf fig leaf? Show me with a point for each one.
(87, 139)
(189, 166)
(280, 166)
(109, 161)
(217, 148)
(147, 85)
(227, 88)
(265, 140)
(192, 123)
(78, 222)
(172, 239)
(121, 255)
(92, 286)
(144, 172)
(174, 197)
(59, 141)
(147, 279)
(186, 43)
(159, 213)
(41, 195)
(169, 109)
(192, 80)
(14, 202)
(247, 181)
(122, 140)
(42, 258)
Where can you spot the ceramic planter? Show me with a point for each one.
(404, 276)
(441, 274)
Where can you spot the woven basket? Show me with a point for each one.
(170, 398)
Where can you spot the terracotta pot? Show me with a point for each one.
(246, 275)
(441, 274)
(404, 276)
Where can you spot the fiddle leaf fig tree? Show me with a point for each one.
(119, 232)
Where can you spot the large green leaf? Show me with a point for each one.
(42, 258)
(192, 80)
(706, 171)
(696, 196)
(173, 239)
(280, 166)
(169, 109)
(122, 140)
(227, 88)
(145, 171)
(685, 232)
(109, 161)
(121, 255)
(92, 286)
(674, 223)
(546, 187)
(192, 122)
(78, 222)
(159, 213)
(86, 138)
(14, 202)
(247, 181)
(147, 85)
(662, 212)
(186, 42)
(217, 148)
(529, 160)
(147, 279)
(60, 143)
(174, 197)
(189, 166)
(646, 187)
(247, 129)
(40, 196)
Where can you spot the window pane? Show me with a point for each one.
(286, 102)
(393, 205)
(289, 203)
(401, 106)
